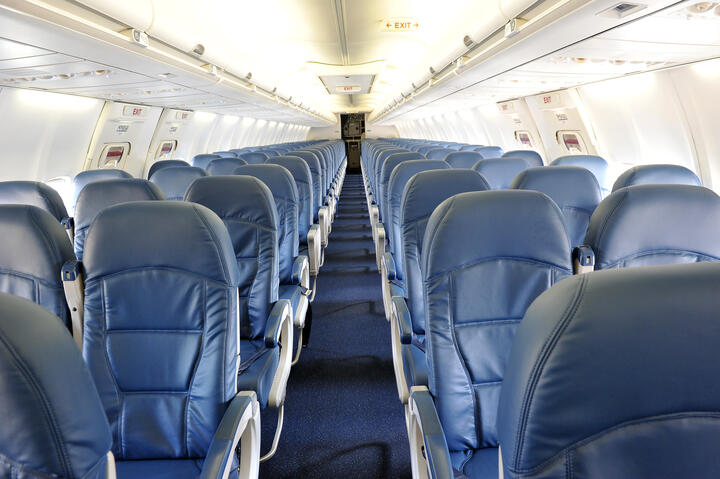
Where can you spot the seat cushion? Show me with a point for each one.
(414, 366)
(483, 464)
(159, 469)
(259, 375)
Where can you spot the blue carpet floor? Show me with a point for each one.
(343, 418)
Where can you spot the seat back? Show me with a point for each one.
(615, 374)
(654, 225)
(438, 153)
(159, 165)
(253, 157)
(54, 423)
(316, 175)
(175, 180)
(656, 175)
(35, 246)
(247, 208)
(423, 193)
(574, 189)
(490, 151)
(300, 172)
(99, 195)
(463, 159)
(33, 193)
(225, 154)
(487, 255)
(86, 177)
(380, 162)
(532, 157)
(596, 164)
(500, 172)
(224, 166)
(204, 159)
(384, 179)
(285, 195)
(160, 334)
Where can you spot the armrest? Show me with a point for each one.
(388, 262)
(324, 222)
(427, 431)
(301, 271)
(404, 320)
(314, 242)
(281, 312)
(241, 422)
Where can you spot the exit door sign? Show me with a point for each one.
(400, 24)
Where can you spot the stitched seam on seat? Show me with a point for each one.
(226, 273)
(44, 235)
(195, 369)
(487, 383)
(110, 372)
(609, 217)
(30, 277)
(138, 269)
(498, 258)
(669, 251)
(539, 365)
(489, 322)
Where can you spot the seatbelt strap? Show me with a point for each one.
(247, 362)
(75, 296)
(583, 260)
(69, 225)
(416, 342)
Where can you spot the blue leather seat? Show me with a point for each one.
(438, 153)
(300, 173)
(54, 424)
(35, 247)
(654, 225)
(86, 177)
(160, 337)
(246, 206)
(380, 161)
(33, 193)
(470, 147)
(316, 175)
(596, 164)
(463, 159)
(574, 189)
(204, 159)
(486, 257)
(500, 172)
(615, 374)
(159, 165)
(99, 195)
(253, 157)
(424, 149)
(225, 154)
(423, 193)
(224, 166)
(490, 151)
(532, 157)
(384, 179)
(175, 180)
(269, 153)
(658, 175)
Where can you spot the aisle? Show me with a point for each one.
(343, 418)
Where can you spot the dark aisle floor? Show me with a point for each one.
(342, 416)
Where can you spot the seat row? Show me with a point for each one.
(184, 310)
(465, 263)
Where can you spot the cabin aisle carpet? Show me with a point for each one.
(343, 418)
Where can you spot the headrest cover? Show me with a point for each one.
(616, 372)
(224, 166)
(54, 424)
(500, 172)
(596, 164)
(568, 186)
(658, 175)
(654, 225)
(203, 160)
(532, 158)
(438, 153)
(156, 234)
(90, 176)
(33, 193)
(175, 180)
(253, 157)
(463, 159)
(490, 151)
(159, 165)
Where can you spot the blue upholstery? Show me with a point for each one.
(380, 161)
(175, 180)
(300, 172)
(53, 422)
(654, 225)
(225, 154)
(438, 153)
(33, 193)
(532, 157)
(161, 326)
(159, 165)
(658, 175)
(487, 255)
(424, 149)
(574, 189)
(224, 166)
(470, 147)
(398, 179)
(285, 196)
(490, 151)
(253, 157)
(99, 195)
(463, 159)
(615, 374)
(596, 164)
(384, 179)
(34, 248)
(203, 160)
(270, 153)
(500, 172)
(316, 175)
(84, 178)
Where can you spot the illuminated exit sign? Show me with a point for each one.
(400, 25)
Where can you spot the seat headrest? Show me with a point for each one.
(399, 157)
(596, 164)
(490, 151)
(160, 234)
(277, 178)
(616, 372)
(295, 164)
(159, 165)
(532, 157)
(438, 153)
(655, 224)
(203, 160)
(568, 186)
(500, 172)
(175, 180)
(658, 175)
(224, 166)
(33, 193)
(254, 157)
(225, 154)
(269, 153)
(463, 159)
(477, 226)
(405, 170)
(84, 178)
(55, 425)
